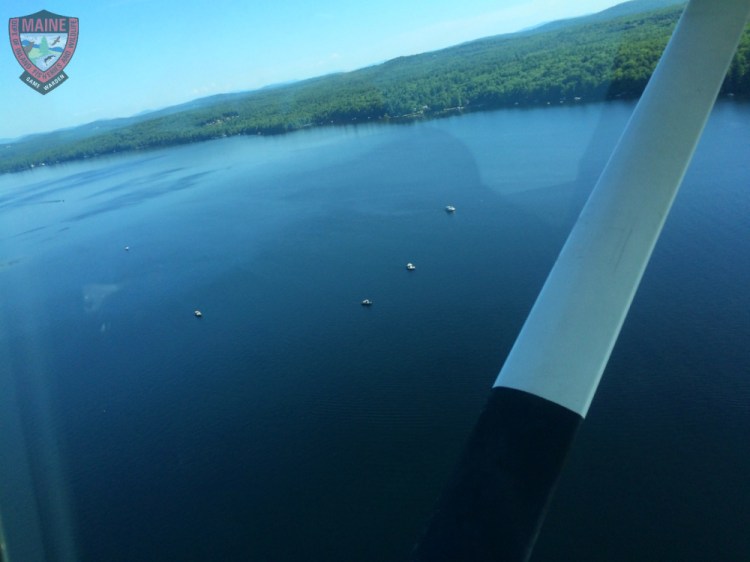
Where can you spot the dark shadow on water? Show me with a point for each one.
(42, 189)
(136, 196)
(135, 183)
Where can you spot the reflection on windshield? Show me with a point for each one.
(288, 421)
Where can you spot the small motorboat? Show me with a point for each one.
(450, 209)
(198, 314)
(410, 266)
(366, 302)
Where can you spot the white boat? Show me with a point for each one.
(450, 209)
(198, 314)
(410, 266)
(366, 302)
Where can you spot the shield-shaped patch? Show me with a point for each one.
(43, 44)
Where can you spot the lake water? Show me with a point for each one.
(289, 422)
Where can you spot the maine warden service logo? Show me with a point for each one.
(43, 44)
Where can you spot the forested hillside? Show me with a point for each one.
(579, 62)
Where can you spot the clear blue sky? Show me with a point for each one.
(136, 55)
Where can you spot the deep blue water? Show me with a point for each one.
(289, 422)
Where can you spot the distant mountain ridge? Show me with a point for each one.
(625, 9)
(607, 55)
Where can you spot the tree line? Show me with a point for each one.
(577, 63)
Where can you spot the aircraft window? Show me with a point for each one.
(261, 264)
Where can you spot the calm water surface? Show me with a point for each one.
(290, 423)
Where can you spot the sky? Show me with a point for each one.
(140, 55)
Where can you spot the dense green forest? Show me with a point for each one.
(579, 61)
